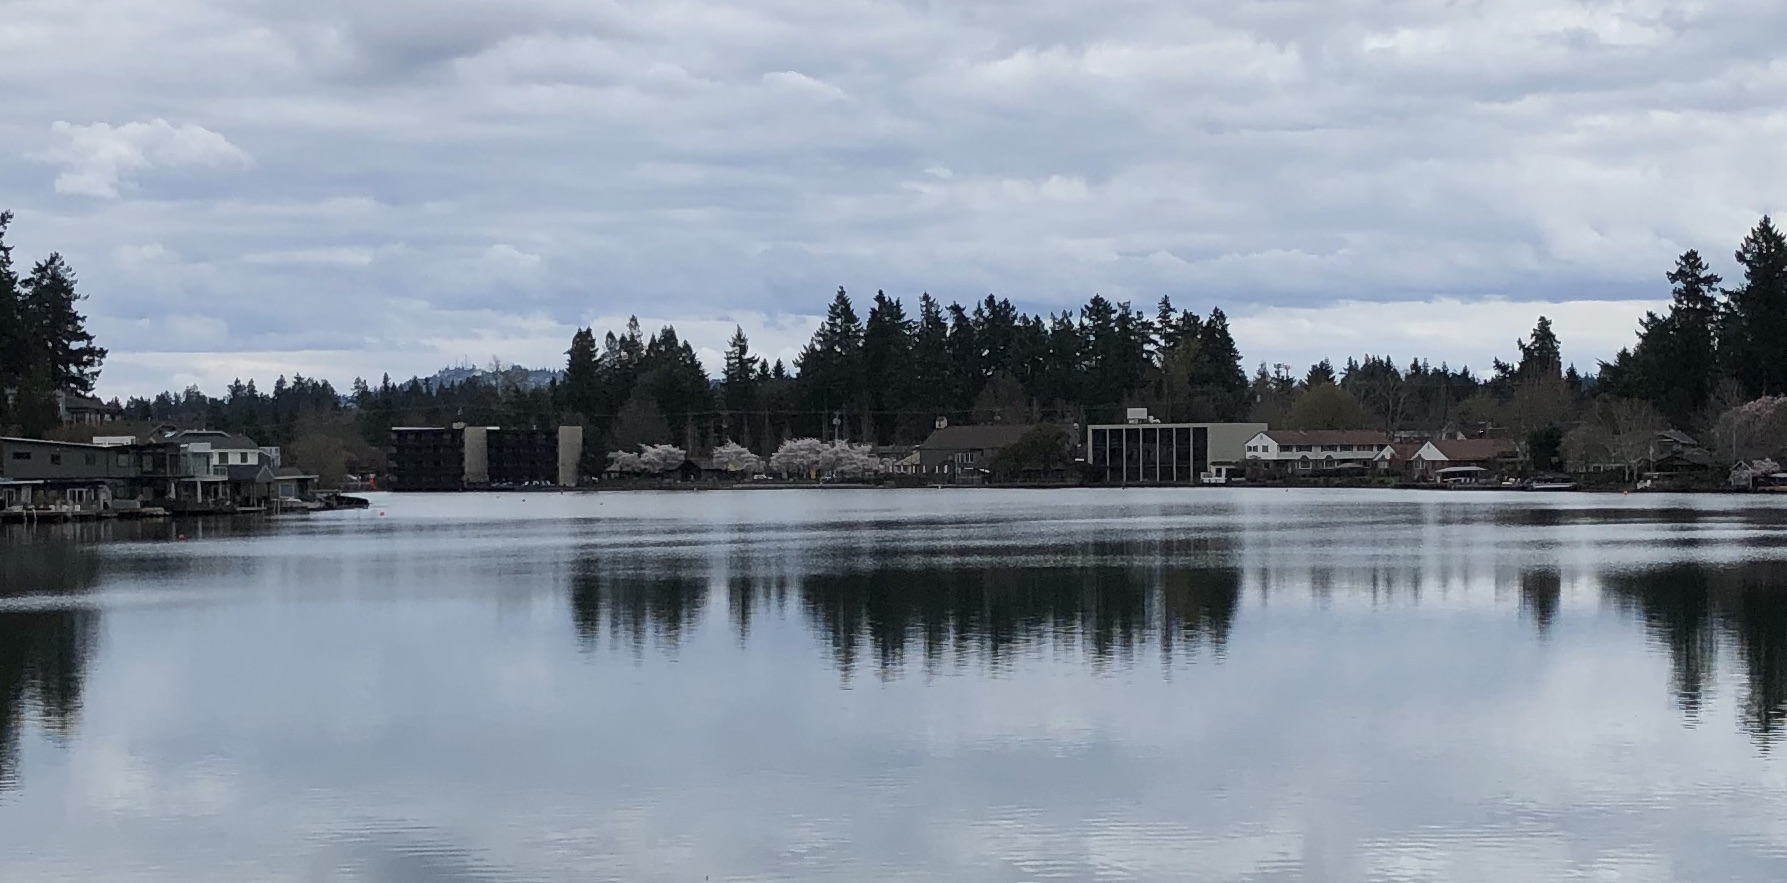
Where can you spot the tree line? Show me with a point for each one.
(876, 372)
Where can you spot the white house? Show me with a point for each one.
(1319, 450)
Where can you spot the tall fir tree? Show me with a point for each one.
(1754, 330)
(580, 389)
(886, 358)
(57, 341)
(738, 387)
(831, 368)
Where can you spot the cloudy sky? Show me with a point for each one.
(341, 187)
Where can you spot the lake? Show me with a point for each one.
(985, 685)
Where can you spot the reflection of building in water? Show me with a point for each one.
(1690, 609)
(43, 653)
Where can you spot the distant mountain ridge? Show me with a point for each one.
(524, 378)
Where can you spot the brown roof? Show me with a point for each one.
(974, 438)
(1405, 450)
(1474, 450)
(1353, 437)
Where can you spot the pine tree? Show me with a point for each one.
(57, 341)
(1674, 365)
(738, 386)
(886, 357)
(831, 366)
(580, 389)
(1754, 333)
(12, 330)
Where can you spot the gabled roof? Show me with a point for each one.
(253, 473)
(1679, 437)
(286, 472)
(974, 438)
(1405, 450)
(217, 439)
(1470, 450)
(1354, 437)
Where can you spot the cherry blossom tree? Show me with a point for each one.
(734, 457)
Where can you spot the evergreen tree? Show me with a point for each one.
(581, 390)
(1217, 377)
(12, 321)
(1674, 365)
(930, 369)
(738, 386)
(57, 340)
(1754, 333)
(831, 368)
(886, 357)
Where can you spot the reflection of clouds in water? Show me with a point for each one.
(1034, 692)
(108, 778)
(383, 852)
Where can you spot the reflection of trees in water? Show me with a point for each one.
(1690, 608)
(636, 609)
(985, 610)
(993, 613)
(43, 653)
(1541, 590)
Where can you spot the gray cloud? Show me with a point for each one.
(548, 162)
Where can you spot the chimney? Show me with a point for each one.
(942, 422)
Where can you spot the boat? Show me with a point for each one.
(1549, 483)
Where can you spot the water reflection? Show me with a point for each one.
(44, 647)
(982, 611)
(1541, 590)
(635, 610)
(1693, 609)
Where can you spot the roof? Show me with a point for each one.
(1405, 450)
(1353, 437)
(254, 473)
(283, 472)
(89, 403)
(217, 439)
(975, 438)
(1472, 450)
(1679, 437)
(45, 441)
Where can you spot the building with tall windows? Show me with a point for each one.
(1144, 451)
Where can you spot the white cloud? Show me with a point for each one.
(719, 157)
(99, 158)
(1463, 333)
(342, 256)
(506, 258)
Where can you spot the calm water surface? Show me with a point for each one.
(904, 685)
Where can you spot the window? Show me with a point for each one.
(21, 455)
(92, 459)
(55, 459)
(123, 461)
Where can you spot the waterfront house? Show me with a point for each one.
(86, 410)
(1493, 455)
(63, 476)
(1305, 452)
(964, 454)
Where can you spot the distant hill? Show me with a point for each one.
(525, 378)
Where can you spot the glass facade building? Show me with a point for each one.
(1149, 453)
